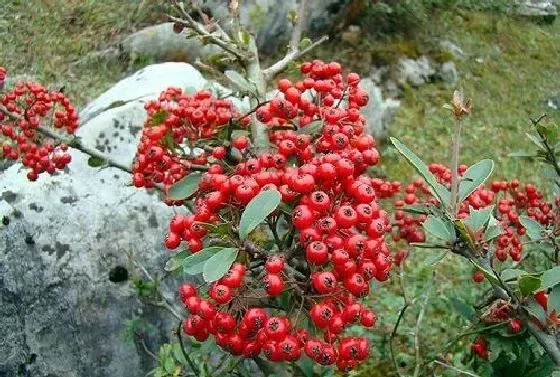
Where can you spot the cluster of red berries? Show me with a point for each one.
(30, 106)
(480, 347)
(338, 226)
(511, 199)
(175, 120)
(253, 331)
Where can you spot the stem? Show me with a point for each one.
(456, 143)
(273, 225)
(417, 331)
(191, 364)
(460, 371)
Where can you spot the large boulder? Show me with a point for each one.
(65, 292)
(379, 112)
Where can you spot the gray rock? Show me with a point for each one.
(61, 314)
(415, 71)
(379, 113)
(451, 47)
(448, 73)
(537, 8)
(162, 44)
(554, 102)
(269, 18)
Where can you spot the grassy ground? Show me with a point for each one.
(512, 67)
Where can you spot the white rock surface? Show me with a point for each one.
(379, 113)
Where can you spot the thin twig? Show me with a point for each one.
(281, 65)
(455, 150)
(186, 356)
(417, 329)
(460, 371)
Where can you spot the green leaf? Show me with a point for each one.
(95, 162)
(175, 261)
(194, 264)
(219, 264)
(305, 366)
(434, 259)
(475, 175)
(536, 140)
(554, 299)
(440, 191)
(492, 232)
(185, 187)
(178, 354)
(529, 284)
(286, 208)
(439, 228)
(422, 209)
(511, 273)
(532, 227)
(257, 210)
(536, 310)
(239, 80)
(465, 310)
(551, 277)
(312, 128)
(523, 154)
(159, 117)
(169, 364)
(220, 228)
(478, 219)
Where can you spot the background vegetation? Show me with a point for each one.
(511, 67)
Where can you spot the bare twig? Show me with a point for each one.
(455, 150)
(460, 371)
(281, 65)
(199, 29)
(417, 329)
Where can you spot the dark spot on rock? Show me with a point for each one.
(106, 142)
(134, 129)
(98, 236)
(118, 274)
(100, 148)
(102, 134)
(121, 138)
(48, 249)
(61, 249)
(144, 208)
(29, 239)
(5, 220)
(66, 170)
(69, 199)
(102, 180)
(152, 220)
(18, 214)
(9, 196)
(116, 133)
(132, 216)
(35, 207)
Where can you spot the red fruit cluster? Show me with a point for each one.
(480, 347)
(338, 227)
(30, 107)
(3, 74)
(174, 120)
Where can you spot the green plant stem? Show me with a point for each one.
(184, 352)
(455, 150)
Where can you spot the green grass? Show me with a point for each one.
(43, 39)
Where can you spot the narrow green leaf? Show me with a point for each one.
(464, 309)
(238, 80)
(95, 162)
(532, 227)
(439, 228)
(554, 299)
(440, 191)
(194, 264)
(169, 364)
(315, 127)
(425, 209)
(219, 264)
(529, 284)
(551, 277)
(523, 154)
(257, 211)
(536, 140)
(178, 354)
(536, 310)
(185, 187)
(176, 261)
(475, 175)
(305, 366)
